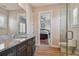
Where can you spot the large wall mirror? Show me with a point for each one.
(22, 24)
(12, 19)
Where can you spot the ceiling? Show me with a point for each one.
(15, 6)
(40, 4)
(10, 6)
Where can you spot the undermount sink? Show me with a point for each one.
(2, 46)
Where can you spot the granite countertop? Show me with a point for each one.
(13, 42)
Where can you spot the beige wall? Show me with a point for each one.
(29, 19)
(55, 22)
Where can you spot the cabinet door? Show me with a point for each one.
(31, 47)
(22, 49)
(22, 52)
(29, 51)
(9, 52)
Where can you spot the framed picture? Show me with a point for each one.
(45, 20)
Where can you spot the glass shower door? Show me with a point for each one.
(63, 30)
(69, 29)
(73, 29)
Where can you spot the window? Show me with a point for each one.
(75, 16)
(22, 28)
(3, 21)
(22, 25)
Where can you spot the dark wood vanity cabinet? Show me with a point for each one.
(31, 47)
(21, 49)
(9, 52)
(25, 48)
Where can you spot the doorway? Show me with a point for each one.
(45, 28)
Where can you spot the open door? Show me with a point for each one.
(45, 28)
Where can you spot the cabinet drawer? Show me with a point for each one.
(22, 44)
(31, 41)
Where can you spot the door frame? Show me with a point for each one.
(51, 38)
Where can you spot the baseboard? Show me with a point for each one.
(56, 46)
(37, 44)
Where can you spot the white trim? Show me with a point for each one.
(56, 46)
(50, 43)
(37, 45)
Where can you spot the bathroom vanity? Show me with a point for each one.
(14, 38)
(18, 47)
